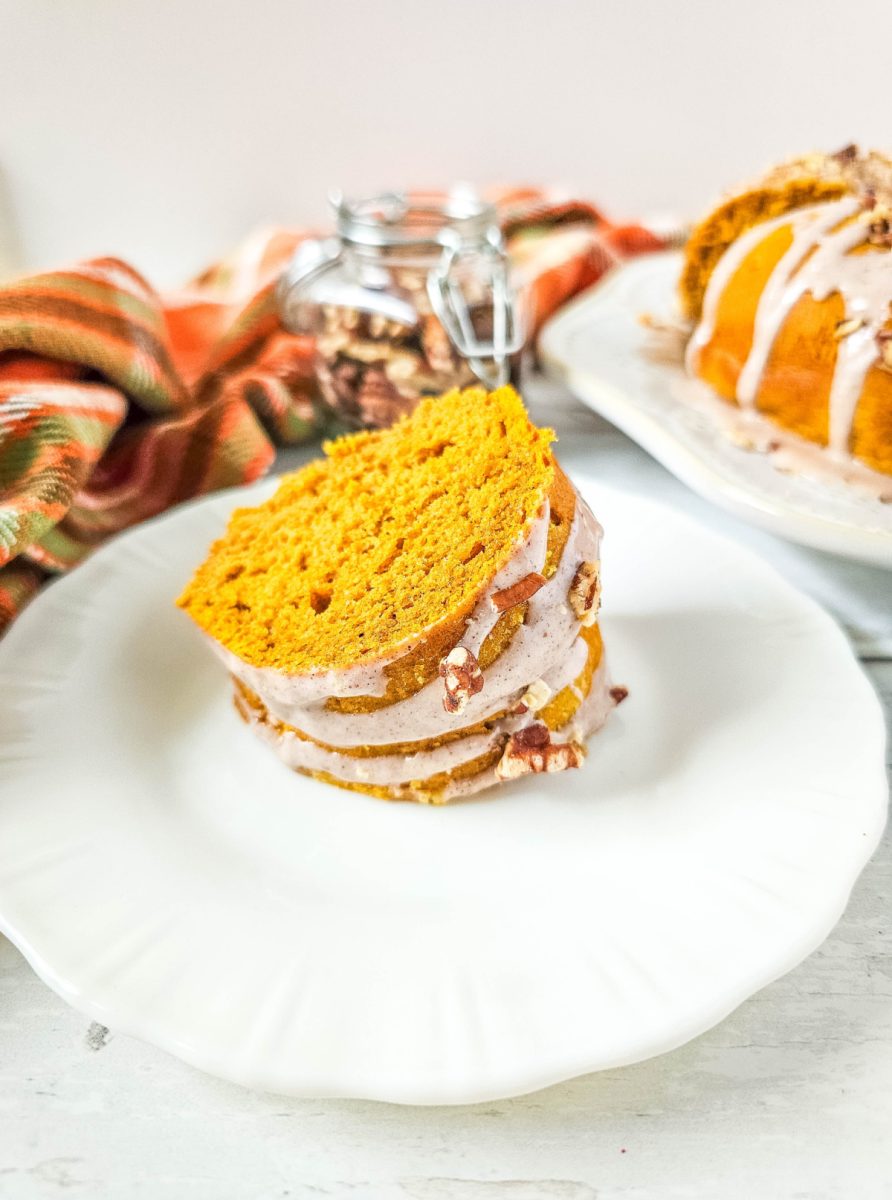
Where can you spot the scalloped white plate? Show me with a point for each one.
(597, 346)
(169, 878)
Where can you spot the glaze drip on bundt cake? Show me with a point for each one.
(789, 285)
(414, 616)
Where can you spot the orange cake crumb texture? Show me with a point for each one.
(712, 237)
(391, 533)
(809, 179)
(411, 671)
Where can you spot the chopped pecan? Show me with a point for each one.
(338, 384)
(336, 317)
(531, 751)
(739, 437)
(415, 359)
(847, 154)
(618, 694)
(385, 327)
(378, 401)
(331, 344)
(462, 678)
(409, 373)
(403, 366)
(532, 737)
(879, 231)
(518, 592)
(585, 592)
(364, 351)
(436, 345)
(536, 696)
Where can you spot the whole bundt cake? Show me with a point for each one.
(788, 285)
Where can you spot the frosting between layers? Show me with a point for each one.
(588, 719)
(543, 647)
(396, 770)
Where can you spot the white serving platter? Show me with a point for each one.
(599, 347)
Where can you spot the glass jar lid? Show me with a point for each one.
(458, 220)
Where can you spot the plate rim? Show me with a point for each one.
(523, 1080)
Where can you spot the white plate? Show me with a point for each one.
(167, 876)
(597, 347)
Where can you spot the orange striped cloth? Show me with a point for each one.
(117, 402)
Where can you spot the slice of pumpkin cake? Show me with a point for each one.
(415, 615)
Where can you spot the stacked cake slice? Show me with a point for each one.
(415, 615)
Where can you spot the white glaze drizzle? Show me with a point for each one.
(529, 557)
(788, 451)
(818, 262)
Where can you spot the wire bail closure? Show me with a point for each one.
(451, 308)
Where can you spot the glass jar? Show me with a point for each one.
(410, 299)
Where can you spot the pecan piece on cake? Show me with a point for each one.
(585, 592)
(462, 678)
(534, 698)
(517, 593)
(531, 751)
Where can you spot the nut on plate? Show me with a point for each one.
(462, 678)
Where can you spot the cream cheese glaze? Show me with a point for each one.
(395, 770)
(589, 718)
(547, 646)
(788, 451)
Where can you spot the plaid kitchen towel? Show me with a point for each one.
(117, 402)
(560, 247)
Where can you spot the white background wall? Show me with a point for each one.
(162, 130)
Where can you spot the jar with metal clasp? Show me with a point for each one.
(411, 298)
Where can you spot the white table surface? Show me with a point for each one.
(790, 1098)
